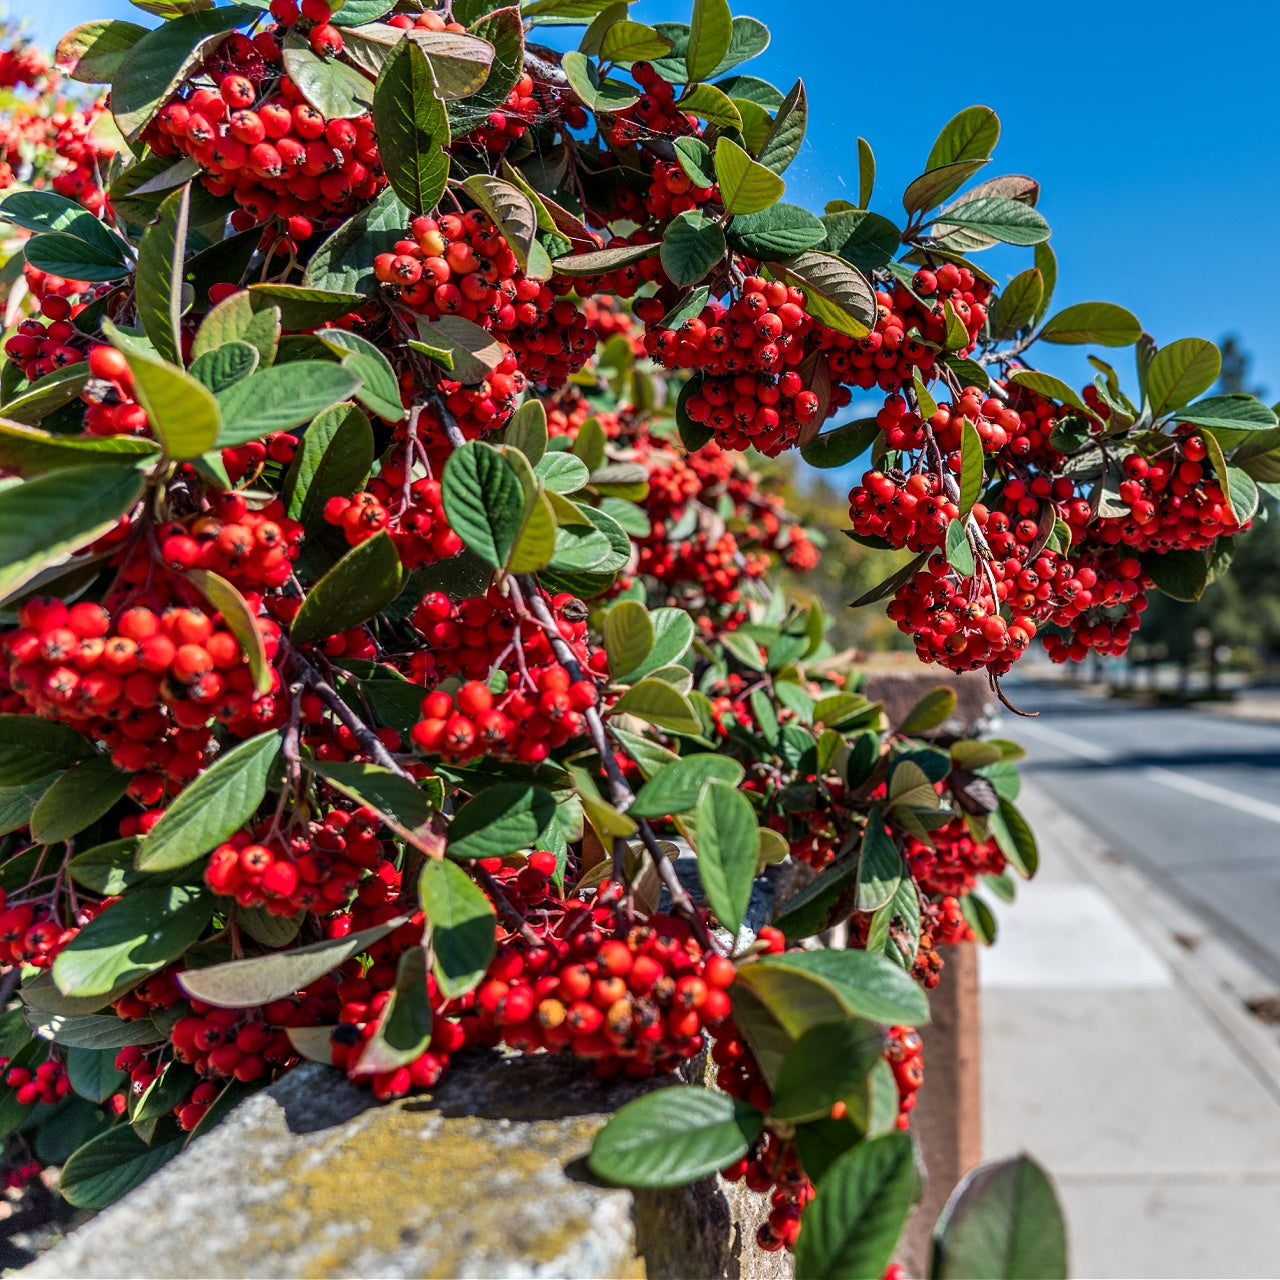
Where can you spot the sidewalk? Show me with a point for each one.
(1127, 1064)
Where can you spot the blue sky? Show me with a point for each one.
(1152, 128)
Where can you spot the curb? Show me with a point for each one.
(1217, 978)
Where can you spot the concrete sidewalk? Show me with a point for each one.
(1117, 1051)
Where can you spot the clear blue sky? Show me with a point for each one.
(1152, 127)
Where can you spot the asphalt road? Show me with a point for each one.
(1189, 798)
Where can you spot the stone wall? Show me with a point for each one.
(486, 1178)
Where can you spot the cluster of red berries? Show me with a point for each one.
(751, 393)
(59, 151)
(461, 264)
(413, 515)
(258, 139)
(633, 998)
(526, 722)
(671, 192)
(145, 683)
(472, 637)
(908, 511)
(655, 115)
(1175, 502)
(954, 863)
(24, 66)
(30, 935)
(508, 123)
(253, 549)
(38, 348)
(315, 866)
(47, 1083)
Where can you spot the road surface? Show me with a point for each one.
(1191, 799)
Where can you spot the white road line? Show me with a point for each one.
(1161, 777)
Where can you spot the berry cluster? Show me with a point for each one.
(954, 862)
(258, 139)
(24, 66)
(909, 511)
(47, 1083)
(655, 115)
(313, 866)
(527, 722)
(463, 265)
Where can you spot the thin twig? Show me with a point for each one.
(504, 905)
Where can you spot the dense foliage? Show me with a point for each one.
(387, 625)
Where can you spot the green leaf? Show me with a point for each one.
(841, 445)
(752, 89)
(402, 803)
(363, 582)
(213, 807)
(337, 91)
(483, 501)
(158, 283)
(240, 621)
(969, 135)
(673, 631)
(473, 352)
(691, 246)
(866, 172)
(183, 414)
(92, 52)
(675, 788)
(628, 635)
(59, 253)
(627, 42)
(1102, 322)
(779, 231)
(93, 1073)
(824, 1067)
(1054, 388)
(501, 819)
(1015, 838)
(867, 986)
(135, 936)
(505, 32)
(971, 474)
(932, 187)
(236, 319)
(787, 134)
(934, 709)
(1004, 219)
(660, 704)
(710, 34)
(594, 93)
(535, 546)
(227, 364)
(726, 844)
(112, 1164)
(959, 551)
(710, 104)
(461, 63)
(562, 472)
(281, 398)
(837, 294)
(155, 66)
(303, 307)
(865, 239)
(43, 521)
(32, 748)
(602, 261)
(745, 186)
(239, 984)
(79, 797)
(673, 1136)
(107, 868)
(511, 210)
(344, 262)
(1017, 303)
(1230, 413)
(880, 865)
(1180, 372)
(527, 430)
(412, 126)
(1182, 575)
(404, 1029)
(379, 390)
(852, 1227)
(462, 925)
(46, 394)
(1002, 1221)
(333, 459)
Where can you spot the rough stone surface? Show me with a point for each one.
(902, 687)
(486, 1178)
